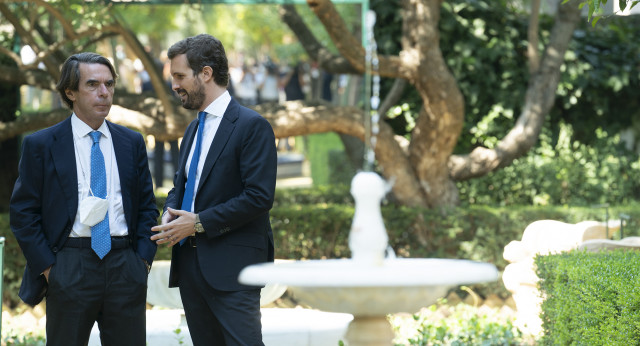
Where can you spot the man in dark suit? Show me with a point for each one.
(217, 214)
(82, 211)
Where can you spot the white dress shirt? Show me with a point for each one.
(82, 143)
(215, 112)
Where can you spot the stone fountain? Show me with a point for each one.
(370, 285)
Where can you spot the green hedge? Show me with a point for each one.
(13, 263)
(304, 229)
(591, 298)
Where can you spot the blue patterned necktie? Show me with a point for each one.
(100, 235)
(190, 188)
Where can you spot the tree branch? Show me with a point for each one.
(24, 34)
(532, 33)
(393, 96)
(33, 77)
(66, 26)
(31, 122)
(15, 57)
(156, 78)
(51, 52)
(316, 51)
(539, 100)
(348, 46)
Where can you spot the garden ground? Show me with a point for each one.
(25, 325)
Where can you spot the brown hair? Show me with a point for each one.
(204, 50)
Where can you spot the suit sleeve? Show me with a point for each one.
(171, 200)
(26, 209)
(147, 209)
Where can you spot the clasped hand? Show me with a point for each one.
(176, 225)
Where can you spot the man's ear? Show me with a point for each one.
(207, 73)
(70, 94)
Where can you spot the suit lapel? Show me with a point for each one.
(227, 125)
(64, 161)
(189, 137)
(123, 150)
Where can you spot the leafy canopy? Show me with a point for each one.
(595, 6)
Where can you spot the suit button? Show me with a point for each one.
(55, 249)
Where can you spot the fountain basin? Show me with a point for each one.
(343, 285)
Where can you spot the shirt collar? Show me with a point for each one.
(219, 105)
(81, 129)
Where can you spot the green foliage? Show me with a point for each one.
(314, 223)
(9, 93)
(459, 325)
(484, 44)
(320, 194)
(590, 298)
(341, 170)
(13, 263)
(179, 336)
(12, 338)
(247, 31)
(137, 17)
(292, 231)
(82, 13)
(388, 28)
(317, 150)
(567, 173)
(327, 158)
(600, 79)
(594, 7)
(473, 232)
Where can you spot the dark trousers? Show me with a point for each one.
(84, 289)
(217, 318)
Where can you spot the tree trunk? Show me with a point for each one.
(442, 116)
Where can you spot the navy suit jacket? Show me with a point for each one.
(233, 198)
(45, 198)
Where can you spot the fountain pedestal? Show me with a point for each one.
(372, 330)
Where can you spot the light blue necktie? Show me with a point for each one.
(100, 235)
(190, 188)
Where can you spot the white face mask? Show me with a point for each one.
(93, 210)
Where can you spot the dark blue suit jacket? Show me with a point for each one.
(234, 196)
(45, 198)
